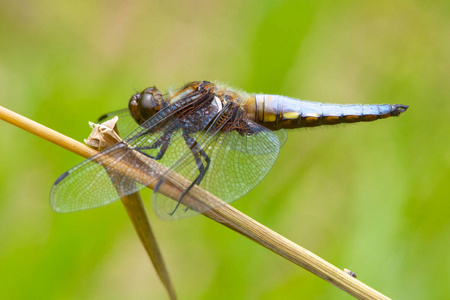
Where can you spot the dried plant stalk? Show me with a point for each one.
(102, 137)
(225, 215)
(136, 211)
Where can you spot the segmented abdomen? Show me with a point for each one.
(276, 112)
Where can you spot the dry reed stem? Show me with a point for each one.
(225, 215)
(102, 137)
(136, 211)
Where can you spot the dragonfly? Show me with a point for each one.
(217, 138)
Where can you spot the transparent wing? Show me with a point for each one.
(96, 182)
(90, 183)
(282, 136)
(235, 163)
(126, 123)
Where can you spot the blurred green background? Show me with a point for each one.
(372, 197)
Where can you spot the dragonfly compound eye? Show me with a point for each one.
(150, 102)
(144, 105)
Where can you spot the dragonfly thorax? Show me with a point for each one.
(218, 103)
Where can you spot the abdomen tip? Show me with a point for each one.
(400, 108)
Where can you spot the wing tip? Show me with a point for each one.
(102, 118)
(61, 177)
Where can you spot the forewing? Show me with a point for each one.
(96, 182)
(90, 183)
(238, 163)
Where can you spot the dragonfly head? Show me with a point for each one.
(145, 105)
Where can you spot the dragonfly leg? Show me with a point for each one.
(191, 142)
(162, 142)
